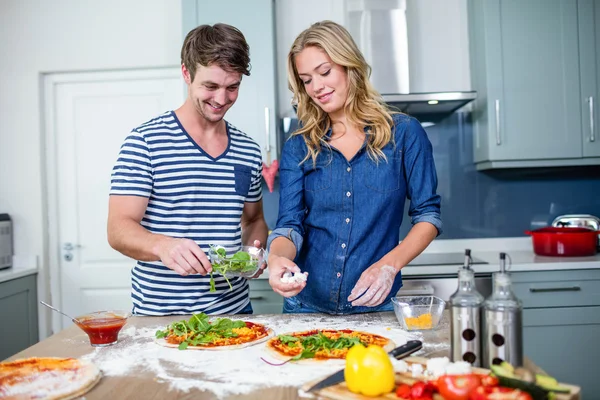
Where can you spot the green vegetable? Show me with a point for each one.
(199, 330)
(313, 343)
(240, 262)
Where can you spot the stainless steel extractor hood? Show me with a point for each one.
(379, 28)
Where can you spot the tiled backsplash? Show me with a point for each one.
(497, 203)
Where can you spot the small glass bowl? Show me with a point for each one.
(232, 267)
(418, 313)
(103, 327)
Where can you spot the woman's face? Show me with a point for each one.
(325, 82)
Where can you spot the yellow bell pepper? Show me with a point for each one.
(369, 371)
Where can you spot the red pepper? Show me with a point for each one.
(498, 393)
(403, 391)
(458, 387)
(422, 391)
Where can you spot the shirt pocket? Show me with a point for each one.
(319, 177)
(385, 176)
(243, 179)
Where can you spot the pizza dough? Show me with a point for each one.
(270, 334)
(47, 378)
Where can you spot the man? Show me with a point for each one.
(186, 180)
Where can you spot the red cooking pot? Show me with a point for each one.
(564, 242)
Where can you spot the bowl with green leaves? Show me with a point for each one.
(243, 262)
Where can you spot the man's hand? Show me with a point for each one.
(183, 256)
(261, 267)
(277, 267)
(374, 285)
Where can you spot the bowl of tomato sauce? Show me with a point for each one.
(103, 327)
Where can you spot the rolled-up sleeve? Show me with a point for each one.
(292, 210)
(421, 177)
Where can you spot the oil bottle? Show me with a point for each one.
(503, 322)
(465, 317)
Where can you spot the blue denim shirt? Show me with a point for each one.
(343, 216)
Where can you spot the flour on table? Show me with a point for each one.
(226, 372)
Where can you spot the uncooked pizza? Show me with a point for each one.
(47, 378)
(322, 344)
(201, 333)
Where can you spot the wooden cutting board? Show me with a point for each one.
(341, 392)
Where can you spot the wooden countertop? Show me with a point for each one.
(140, 382)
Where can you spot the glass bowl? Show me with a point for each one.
(245, 262)
(103, 327)
(418, 313)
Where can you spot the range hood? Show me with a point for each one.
(379, 28)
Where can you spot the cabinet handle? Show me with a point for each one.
(592, 133)
(268, 134)
(558, 289)
(498, 141)
(257, 297)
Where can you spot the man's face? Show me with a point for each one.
(213, 91)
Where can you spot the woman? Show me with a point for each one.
(345, 175)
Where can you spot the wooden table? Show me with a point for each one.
(141, 384)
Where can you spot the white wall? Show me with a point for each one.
(40, 36)
(438, 43)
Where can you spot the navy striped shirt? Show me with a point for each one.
(190, 195)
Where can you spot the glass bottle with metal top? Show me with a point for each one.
(503, 322)
(465, 317)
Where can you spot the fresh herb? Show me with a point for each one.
(240, 262)
(318, 342)
(198, 330)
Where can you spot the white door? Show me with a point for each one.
(88, 115)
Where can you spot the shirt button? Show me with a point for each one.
(338, 274)
(347, 220)
(343, 245)
(348, 194)
(348, 169)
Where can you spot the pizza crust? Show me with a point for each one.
(42, 377)
(270, 334)
(273, 353)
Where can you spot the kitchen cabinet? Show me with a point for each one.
(255, 109)
(18, 313)
(561, 323)
(264, 299)
(525, 66)
(589, 51)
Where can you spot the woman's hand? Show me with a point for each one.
(373, 286)
(277, 267)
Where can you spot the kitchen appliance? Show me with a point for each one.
(379, 28)
(398, 353)
(503, 322)
(564, 242)
(578, 221)
(465, 317)
(6, 241)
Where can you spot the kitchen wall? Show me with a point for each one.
(39, 36)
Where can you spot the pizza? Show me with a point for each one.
(47, 378)
(201, 333)
(322, 344)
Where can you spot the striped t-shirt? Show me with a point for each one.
(191, 195)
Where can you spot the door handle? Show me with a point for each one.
(498, 140)
(257, 297)
(71, 246)
(592, 127)
(558, 289)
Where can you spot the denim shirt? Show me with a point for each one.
(343, 216)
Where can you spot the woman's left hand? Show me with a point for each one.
(375, 282)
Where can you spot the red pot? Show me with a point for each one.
(564, 242)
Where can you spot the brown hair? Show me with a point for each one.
(219, 44)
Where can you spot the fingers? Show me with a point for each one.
(361, 286)
(185, 257)
(379, 296)
(279, 266)
(367, 297)
(203, 266)
(257, 244)
(288, 289)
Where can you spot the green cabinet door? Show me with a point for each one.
(256, 103)
(564, 342)
(589, 50)
(525, 66)
(19, 316)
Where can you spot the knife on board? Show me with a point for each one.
(399, 353)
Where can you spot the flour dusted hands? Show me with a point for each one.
(375, 282)
(281, 270)
(183, 256)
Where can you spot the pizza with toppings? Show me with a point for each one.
(47, 378)
(322, 344)
(201, 333)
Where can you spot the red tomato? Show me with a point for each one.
(458, 387)
(403, 391)
(422, 391)
(498, 393)
(489, 380)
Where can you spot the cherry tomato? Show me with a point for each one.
(458, 387)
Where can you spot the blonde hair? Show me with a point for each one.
(364, 105)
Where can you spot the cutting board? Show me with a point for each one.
(341, 392)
